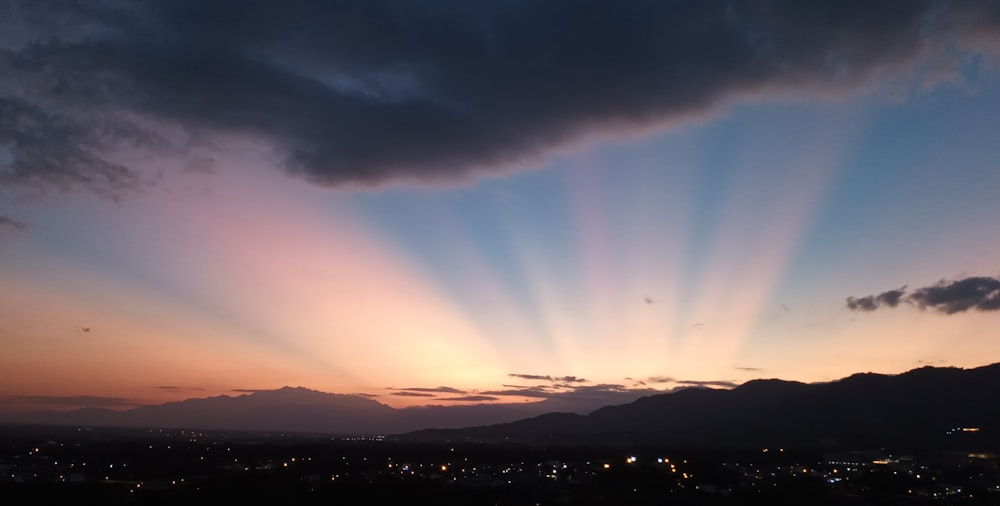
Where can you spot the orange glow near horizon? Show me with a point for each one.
(244, 279)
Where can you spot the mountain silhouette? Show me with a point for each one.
(920, 408)
(289, 409)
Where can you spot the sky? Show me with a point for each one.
(450, 202)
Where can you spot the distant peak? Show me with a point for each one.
(756, 383)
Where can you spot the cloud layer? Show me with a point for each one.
(365, 92)
(979, 293)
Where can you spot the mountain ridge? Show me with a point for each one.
(916, 409)
(859, 407)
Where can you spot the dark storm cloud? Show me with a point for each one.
(364, 92)
(980, 293)
(546, 377)
(70, 401)
(45, 147)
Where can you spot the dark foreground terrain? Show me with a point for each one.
(86, 465)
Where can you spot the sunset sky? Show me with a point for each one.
(454, 202)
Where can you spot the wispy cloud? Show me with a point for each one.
(520, 391)
(8, 224)
(75, 401)
(471, 398)
(173, 388)
(412, 394)
(608, 391)
(660, 379)
(980, 293)
(547, 377)
(683, 382)
(708, 383)
(440, 390)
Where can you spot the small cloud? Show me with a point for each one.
(173, 388)
(564, 385)
(866, 303)
(513, 390)
(691, 383)
(407, 393)
(708, 383)
(471, 398)
(439, 390)
(660, 379)
(891, 298)
(530, 376)
(980, 293)
(749, 369)
(547, 377)
(249, 390)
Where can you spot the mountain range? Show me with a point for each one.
(926, 407)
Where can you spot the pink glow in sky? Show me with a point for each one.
(295, 218)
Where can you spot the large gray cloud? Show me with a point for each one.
(980, 293)
(369, 91)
